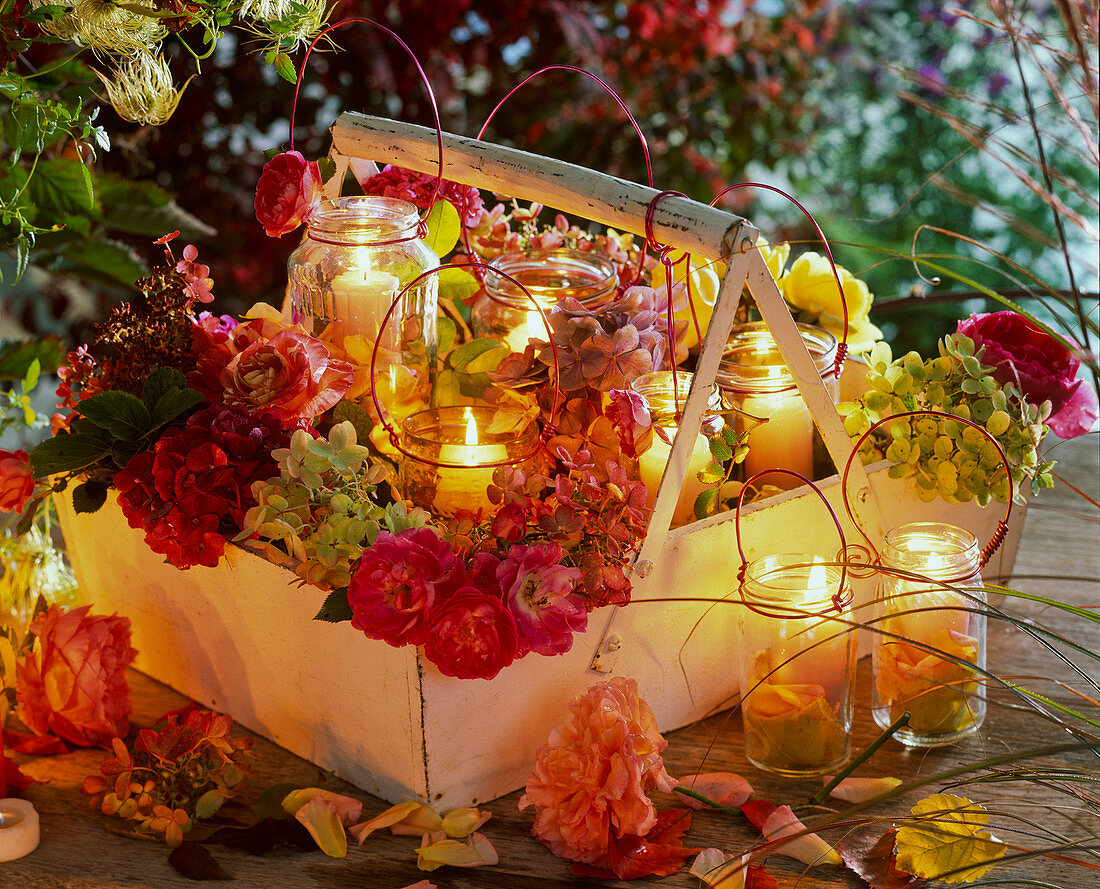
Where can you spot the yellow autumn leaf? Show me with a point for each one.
(947, 840)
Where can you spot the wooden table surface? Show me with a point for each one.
(1059, 557)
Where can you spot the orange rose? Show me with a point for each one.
(73, 681)
(16, 480)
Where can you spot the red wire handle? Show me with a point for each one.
(548, 429)
(423, 78)
(1002, 525)
(841, 600)
(670, 313)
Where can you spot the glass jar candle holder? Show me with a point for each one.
(507, 314)
(933, 637)
(758, 389)
(358, 253)
(459, 438)
(797, 666)
(665, 407)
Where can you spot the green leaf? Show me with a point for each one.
(947, 840)
(284, 67)
(144, 208)
(61, 186)
(124, 415)
(106, 261)
(160, 382)
(487, 361)
(720, 450)
(446, 333)
(336, 608)
(90, 496)
(327, 166)
(457, 285)
(16, 358)
(65, 453)
(704, 502)
(173, 403)
(448, 387)
(444, 227)
(467, 352)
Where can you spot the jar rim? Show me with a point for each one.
(779, 579)
(658, 383)
(426, 431)
(362, 219)
(599, 277)
(754, 339)
(935, 549)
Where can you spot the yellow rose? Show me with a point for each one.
(862, 334)
(706, 277)
(811, 287)
(775, 256)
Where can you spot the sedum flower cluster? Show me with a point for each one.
(946, 458)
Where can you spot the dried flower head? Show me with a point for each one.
(141, 89)
(286, 24)
(105, 27)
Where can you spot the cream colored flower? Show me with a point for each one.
(104, 27)
(810, 286)
(141, 89)
(289, 24)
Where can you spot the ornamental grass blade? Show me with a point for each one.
(947, 840)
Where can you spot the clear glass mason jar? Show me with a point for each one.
(797, 660)
(505, 312)
(459, 437)
(757, 387)
(357, 255)
(932, 636)
(665, 407)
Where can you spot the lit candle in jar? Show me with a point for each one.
(19, 831)
(360, 299)
(459, 438)
(781, 434)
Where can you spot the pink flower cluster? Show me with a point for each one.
(473, 620)
(1036, 364)
(592, 778)
(197, 480)
(417, 188)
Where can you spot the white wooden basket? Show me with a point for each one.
(240, 637)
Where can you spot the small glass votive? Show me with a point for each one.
(932, 638)
(507, 314)
(664, 409)
(458, 435)
(797, 666)
(759, 389)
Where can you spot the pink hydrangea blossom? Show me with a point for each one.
(539, 593)
(1038, 365)
(593, 776)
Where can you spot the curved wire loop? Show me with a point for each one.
(999, 532)
(422, 228)
(841, 598)
(548, 428)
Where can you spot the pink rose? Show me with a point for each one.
(539, 593)
(73, 681)
(1038, 365)
(16, 480)
(472, 635)
(288, 191)
(290, 376)
(594, 774)
(397, 582)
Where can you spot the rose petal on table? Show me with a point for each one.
(391, 816)
(417, 822)
(437, 849)
(757, 811)
(422, 884)
(323, 821)
(808, 848)
(347, 808)
(859, 790)
(725, 788)
(459, 823)
(719, 870)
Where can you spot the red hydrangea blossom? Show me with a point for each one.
(473, 635)
(417, 188)
(1038, 365)
(196, 482)
(540, 594)
(397, 582)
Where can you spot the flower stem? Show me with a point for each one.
(888, 733)
(707, 801)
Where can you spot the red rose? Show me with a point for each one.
(1038, 365)
(73, 681)
(473, 635)
(397, 582)
(288, 191)
(16, 480)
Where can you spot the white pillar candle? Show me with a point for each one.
(530, 327)
(360, 299)
(465, 488)
(785, 440)
(651, 467)
(19, 832)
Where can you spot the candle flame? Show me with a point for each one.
(818, 577)
(471, 428)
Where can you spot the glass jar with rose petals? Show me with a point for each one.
(797, 665)
(929, 650)
(357, 256)
(505, 312)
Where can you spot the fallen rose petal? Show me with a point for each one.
(757, 811)
(461, 823)
(660, 853)
(719, 870)
(346, 808)
(35, 745)
(725, 788)
(858, 790)
(324, 824)
(391, 816)
(437, 849)
(417, 822)
(422, 884)
(808, 848)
